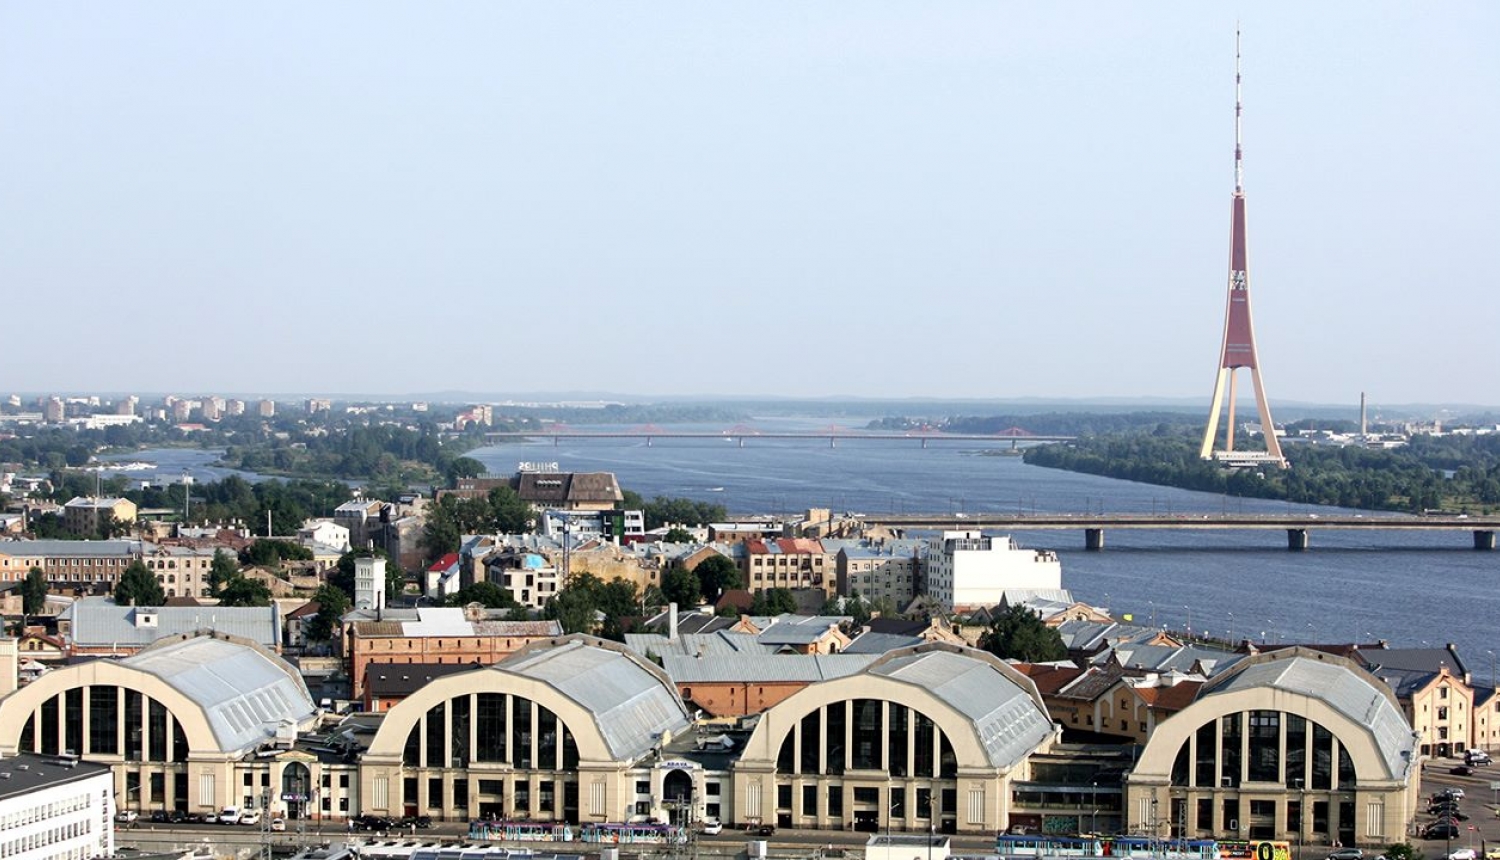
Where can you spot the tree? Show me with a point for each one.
(773, 601)
(245, 591)
(485, 593)
(332, 604)
(572, 609)
(677, 534)
(271, 553)
(1020, 634)
(137, 586)
(716, 575)
(34, 591)
(681, 586)
(224, 569)
(463, 467)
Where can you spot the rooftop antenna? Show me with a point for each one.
(1239, 164)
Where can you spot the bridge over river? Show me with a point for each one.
(740, 436)
(1297, 526)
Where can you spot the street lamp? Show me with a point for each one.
(1094, 803)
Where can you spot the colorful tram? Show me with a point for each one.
(1009, 845)
(641, 833)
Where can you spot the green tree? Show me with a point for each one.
(716, 575)
(463, 467)
(1020, 634)
(244, 591)
(485, 593)
(137, 586)
(333, 603)
(676, 534)
(34, 591)
(573, 609)
(1402, 851)
(224, 569)
(773, 601)
(271, 553)
(681, 586)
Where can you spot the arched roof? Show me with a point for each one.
(245, 692)
(1327, 689)
(228, 696)
(616, 704)
(1339, 685)
(1009, 720)
(989, 711)
(632, 703)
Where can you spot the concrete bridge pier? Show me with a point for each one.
(1484, 539)
(742, 441)
(833, 441)
(1296, 539)
(648, 441)
(924, 443)
(1093, 540)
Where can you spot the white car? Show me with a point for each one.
(127, 816)
(1463, 854)
(251, 817)
(712, 826)
(1455, 792)
(278, 825)
(230, 815)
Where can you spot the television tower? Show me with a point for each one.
(1239, 332)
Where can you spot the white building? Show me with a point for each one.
(326, 532)
(966, 570)
(369, 583)
(55, 808)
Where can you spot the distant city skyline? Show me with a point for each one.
(990, 202)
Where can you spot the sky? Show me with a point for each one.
(884, 199)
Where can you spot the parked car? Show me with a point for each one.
(712, 826)
(160, 817)
(1441, 830)
(1455, 792)
(278, 824)
(1475, 757)
(1463, 854)
(421, 822)
(1346, 854)
(250, 817)
(127, 816)
(230, 815)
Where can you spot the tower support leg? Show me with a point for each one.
(1296, 539)
(1484, 539)
(1093, 540)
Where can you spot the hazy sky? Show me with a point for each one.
(947, 199)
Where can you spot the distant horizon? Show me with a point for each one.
(584, 399)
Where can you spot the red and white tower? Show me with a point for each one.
(1239, 332)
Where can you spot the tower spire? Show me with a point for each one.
(1238, 349)
(1239, 161)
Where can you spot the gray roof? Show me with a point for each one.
(1010, 723)
(693, 644)
(73, 548)
(763, 668)
(1168, 658)
(245, 692)
(98, 622)
(874, 642)
(631, 702)
(1339, 685)
(800, 629)
(26, 773)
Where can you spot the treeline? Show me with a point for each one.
(1042, 424)
(366, 451)
(1460, 473)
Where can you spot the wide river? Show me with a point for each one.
(1414, 589)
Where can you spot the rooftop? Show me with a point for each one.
(26, 773)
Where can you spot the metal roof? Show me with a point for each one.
(245, 692)
(693, 644)
(1009, 722)
(72, 548)
(99, 623)
(763, 668)
(874, 642)
(630, 702)
(1342, 688)
(25, 773)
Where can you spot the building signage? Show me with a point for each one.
(668, 765)
(529, 466)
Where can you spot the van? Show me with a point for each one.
(230, 815)
(1473, 757)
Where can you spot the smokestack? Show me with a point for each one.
(672, 621)
(1364, 427)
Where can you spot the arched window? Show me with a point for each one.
(1211, 757)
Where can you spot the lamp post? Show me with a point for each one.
(1094, 803)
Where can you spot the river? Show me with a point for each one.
(1414, 589)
